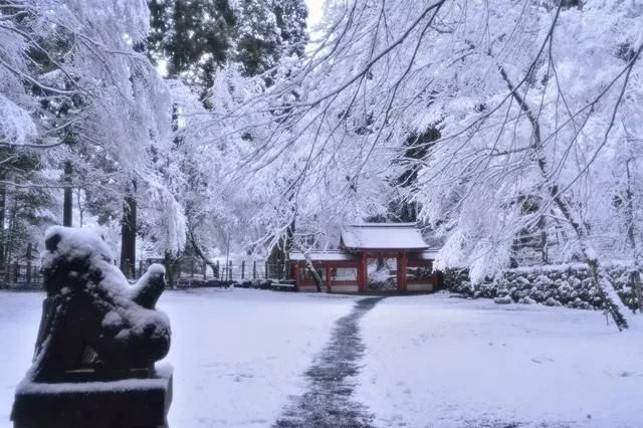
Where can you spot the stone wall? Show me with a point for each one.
(553, 285)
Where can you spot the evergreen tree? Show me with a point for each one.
(417, 148)
(22, 208)
(259, 37)
(193, 36)
(291, 18)
(269, 31)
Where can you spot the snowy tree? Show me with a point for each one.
(222, 215)
(78, 85)
(527, 97)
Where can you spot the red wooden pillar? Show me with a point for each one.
(328, 278)
(402, 262)
(362, 273)
(298, 278)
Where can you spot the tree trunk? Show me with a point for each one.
(287, 246)
(81, 210)
(635, 280)
(68, 196)
(201, 254)
(3, 244)
(613, 304)
(314, 273)
(128, 233)
(542, 245)
(10, 236)
(170, 262)
(28, 256)
(630, 224)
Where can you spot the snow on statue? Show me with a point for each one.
(92, 318)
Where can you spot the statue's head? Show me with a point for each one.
(73, 257)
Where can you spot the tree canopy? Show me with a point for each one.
(509, 130)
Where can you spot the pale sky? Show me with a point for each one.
(315, 10)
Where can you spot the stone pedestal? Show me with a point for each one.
(128, 403)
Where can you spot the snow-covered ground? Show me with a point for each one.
(19, 318)
(453, 362)
(239, 356)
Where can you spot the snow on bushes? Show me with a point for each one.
(567, 285)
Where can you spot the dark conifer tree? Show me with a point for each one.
(194, 37)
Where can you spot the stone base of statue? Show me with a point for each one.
(81, 402)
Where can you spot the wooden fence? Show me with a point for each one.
(16, 275)
(28, 276)
(240, 271)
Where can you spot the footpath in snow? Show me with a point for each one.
(331, 379)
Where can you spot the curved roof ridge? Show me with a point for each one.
(383, 236)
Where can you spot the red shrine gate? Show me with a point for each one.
(346, 270)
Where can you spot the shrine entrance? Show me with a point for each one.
(347, 269)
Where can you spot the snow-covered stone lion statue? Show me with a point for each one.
(95, 322)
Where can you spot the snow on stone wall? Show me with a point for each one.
(553, 285)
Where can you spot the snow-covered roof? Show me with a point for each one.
(328, 255)
(383, 236)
